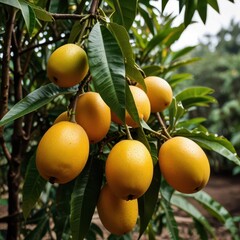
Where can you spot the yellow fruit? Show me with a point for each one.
(129, 169)
(142, 104)
(184, 164)
(117, 215)
(67, 65)
(159, 93)
(62, 117)
(62, 152)
(94, 115)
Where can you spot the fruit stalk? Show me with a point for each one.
(165, 131)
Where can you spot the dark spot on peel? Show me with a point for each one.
(52, 180)
(197, 188)
(55, 79)
(130, 197)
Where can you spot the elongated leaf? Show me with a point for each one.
(164, 3)
(40, 230)
(107, 68)
(62, 210)
(202, 10)
(84, 197)
(195, 96)
(214, 4)
(155, 41)
(189, 11)
(34, 101)
(123, 39)
(34, 184)
(147, 203)
(180, 77)
(125, 12)
(167, 192)
(41, 13)
(187, 207)
(218, 211)
(12, 3)
(170, 220)
(28, 15)
(212, 142)
(131, 107)
(147, 17)
(182, 52)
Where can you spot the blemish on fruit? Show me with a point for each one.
(130, 197)
(55, 79)
(52, 180)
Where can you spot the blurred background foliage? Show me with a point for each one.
(218, 68)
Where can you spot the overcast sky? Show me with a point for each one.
(215, 21)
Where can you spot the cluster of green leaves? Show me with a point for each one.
(126, 41)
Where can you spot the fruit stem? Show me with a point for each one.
(129, 136)
(160, 120)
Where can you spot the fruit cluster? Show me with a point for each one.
(64, 149)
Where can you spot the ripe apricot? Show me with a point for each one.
(67, 65)
(184, 164)
(94, 115)
(117, 215)
(159, 93)
(62, 152)
(129, 169)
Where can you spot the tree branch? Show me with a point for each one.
(5, 73)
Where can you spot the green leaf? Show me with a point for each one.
(125, 12)
(123, 39)
(147, 17)
(164, 3)
(181, 52)
(155, 41)
(189, 11)
(41, 13)
(179, 77)
(218, 211)
(62, 210)
(147, 203)
(202, 10)
(187, 207)
(40, 230)
(85, 196)
(212, 142)
(34, 101)
(170, 220)
(107, 69)
(12, 3)
(195, 96)
(176, 111)
(131, 107)
(214, 4)
(28, 15)
(34, 184)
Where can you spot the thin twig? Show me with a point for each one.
(57, 16)
(160, 120)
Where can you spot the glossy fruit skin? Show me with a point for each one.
(67, 65)
(142, 104)
(117, 215)
(62, 117)
(184, 164)
(129, 169)
(62, 152)
(159, 93)
(94, 115)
